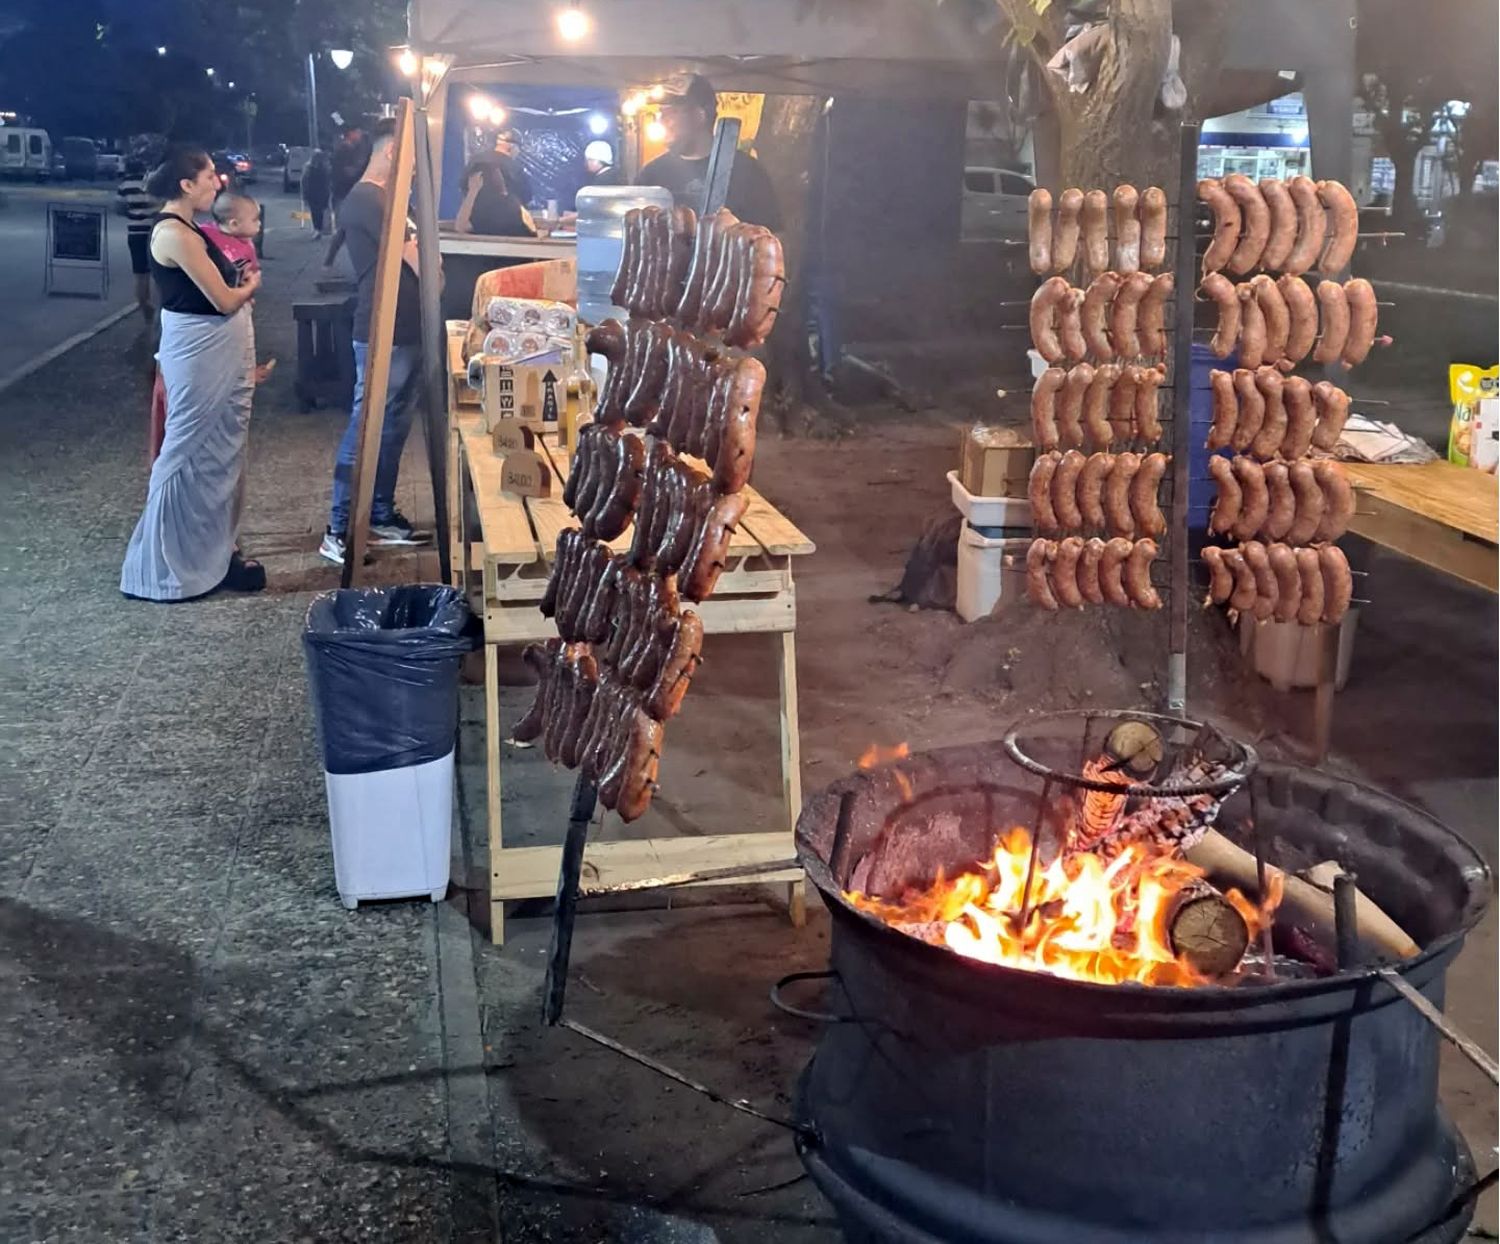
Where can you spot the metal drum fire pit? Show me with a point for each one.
(956, 1100)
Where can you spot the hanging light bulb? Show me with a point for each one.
(656, 131)
(480, 107)
(572, 22)
(658, 92)
(498, 115)
(631, 104)
(598, 124)
(406, 62)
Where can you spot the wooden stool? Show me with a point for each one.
(325, 352)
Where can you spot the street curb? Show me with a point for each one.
(62, 347)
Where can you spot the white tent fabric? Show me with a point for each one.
(890, 47)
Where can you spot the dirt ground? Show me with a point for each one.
(689, 985)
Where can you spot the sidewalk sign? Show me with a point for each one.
(77, 241)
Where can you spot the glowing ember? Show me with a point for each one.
(1090, 919)
(875, 754)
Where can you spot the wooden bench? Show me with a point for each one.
(505, 575)
(1442, 515)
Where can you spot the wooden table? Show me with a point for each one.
(1445, 516)
(450, 243)
(505, 575)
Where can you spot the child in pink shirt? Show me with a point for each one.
(234, 226)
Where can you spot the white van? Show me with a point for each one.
(25, 152)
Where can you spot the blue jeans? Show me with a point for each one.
(406, 362)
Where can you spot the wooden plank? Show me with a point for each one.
(388, 264)
(1457, 497)
(531, 872)
(773, 530)
(507, 532)
(522, 622)
(1426, 540)
(791, 765)
(492, 766)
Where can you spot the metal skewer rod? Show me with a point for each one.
(1467, 1046)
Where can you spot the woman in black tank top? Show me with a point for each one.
(185, 544)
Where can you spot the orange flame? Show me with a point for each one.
(875, 755)
(1089, 919)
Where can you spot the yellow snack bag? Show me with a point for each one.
(1475, 394)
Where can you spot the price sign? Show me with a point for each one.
(77, 241)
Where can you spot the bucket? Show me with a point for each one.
(983, 576)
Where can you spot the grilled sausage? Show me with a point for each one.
(1039, 491)
(1227, 222)
(1344, 215)
(1065, 236)
(1152, 319)
(1252, 410)
(630, 252)
(1273, 428)
(640, 761)
(1088, 571)
(611, 514)
(1267, 590)
(1097, 300)
(541, 659)
(1122, 403)
(1123, 314)
(705, 245)
(1096, 232)
(1312, 226)
(1039, 230)
(1338, 497)
(1229, 499)
(1360, 296)
(1143, 504)
(760, 293)
(1153, 227)
(1065, 573)
(1220, 581)
(1333, 307)
(645, 394)
(1221, 291)
(1070, 327)
(1332, 405)
(1288, 582)
(1096, 401)
(1044, 407)
(711, 548)
(1127, 230)
(1038, 577)
(1112, 570)
(1310, 503)
(594, 624)
(1091, 481)
(1252, 328)
(1283, 232)
(1226, 409)
(1301, 419)
(1302, 314)
(1147, 416)
(1283, 509)
(1138, 575)
(1070, 405)
(1338, 583)
(1065, 490)
(1257, 223)
(1046, 307)
(734, 453)
(1116, 500)
(1255, 501)
(689, 497)
(1310, 600)
(1277, 315)
(677, 668)
(1245, 591)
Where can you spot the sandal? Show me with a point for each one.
(243, 575)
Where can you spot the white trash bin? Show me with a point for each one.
(391, 831)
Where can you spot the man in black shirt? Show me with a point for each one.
(688, 112)
(360, 219)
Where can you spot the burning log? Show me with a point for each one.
(1302, 902)
(1206, 931)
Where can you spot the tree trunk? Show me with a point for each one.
(784, 145)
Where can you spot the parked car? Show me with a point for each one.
(994, 204)
(296, 161)
(59, 165)
(273, 156)
(80, 158)
(111, 165)
(25, 152)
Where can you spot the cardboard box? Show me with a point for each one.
(530, 393)
(995, 462)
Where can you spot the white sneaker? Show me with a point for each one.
(332, 548)
(397, 530)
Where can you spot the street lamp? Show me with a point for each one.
(209, 71)
(161, 51)
(342, 58)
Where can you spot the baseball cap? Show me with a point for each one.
(599, 151)
(691, 88)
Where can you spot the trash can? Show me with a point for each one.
(382, 673)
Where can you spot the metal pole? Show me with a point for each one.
(1182, 370)
(312, 101)
(434, 358)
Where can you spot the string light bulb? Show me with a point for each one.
(656, 131)
(572, 22)
(480, 107)
(658, 92)
(631, 104)
(406, 62)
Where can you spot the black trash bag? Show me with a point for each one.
(382, 673)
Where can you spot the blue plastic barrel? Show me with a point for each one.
(1200, 421)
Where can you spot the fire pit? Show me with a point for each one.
(959, 1099)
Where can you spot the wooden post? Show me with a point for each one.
(1182, 370)
(434, 341)
(382, 335)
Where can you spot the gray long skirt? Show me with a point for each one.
(186, 535)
